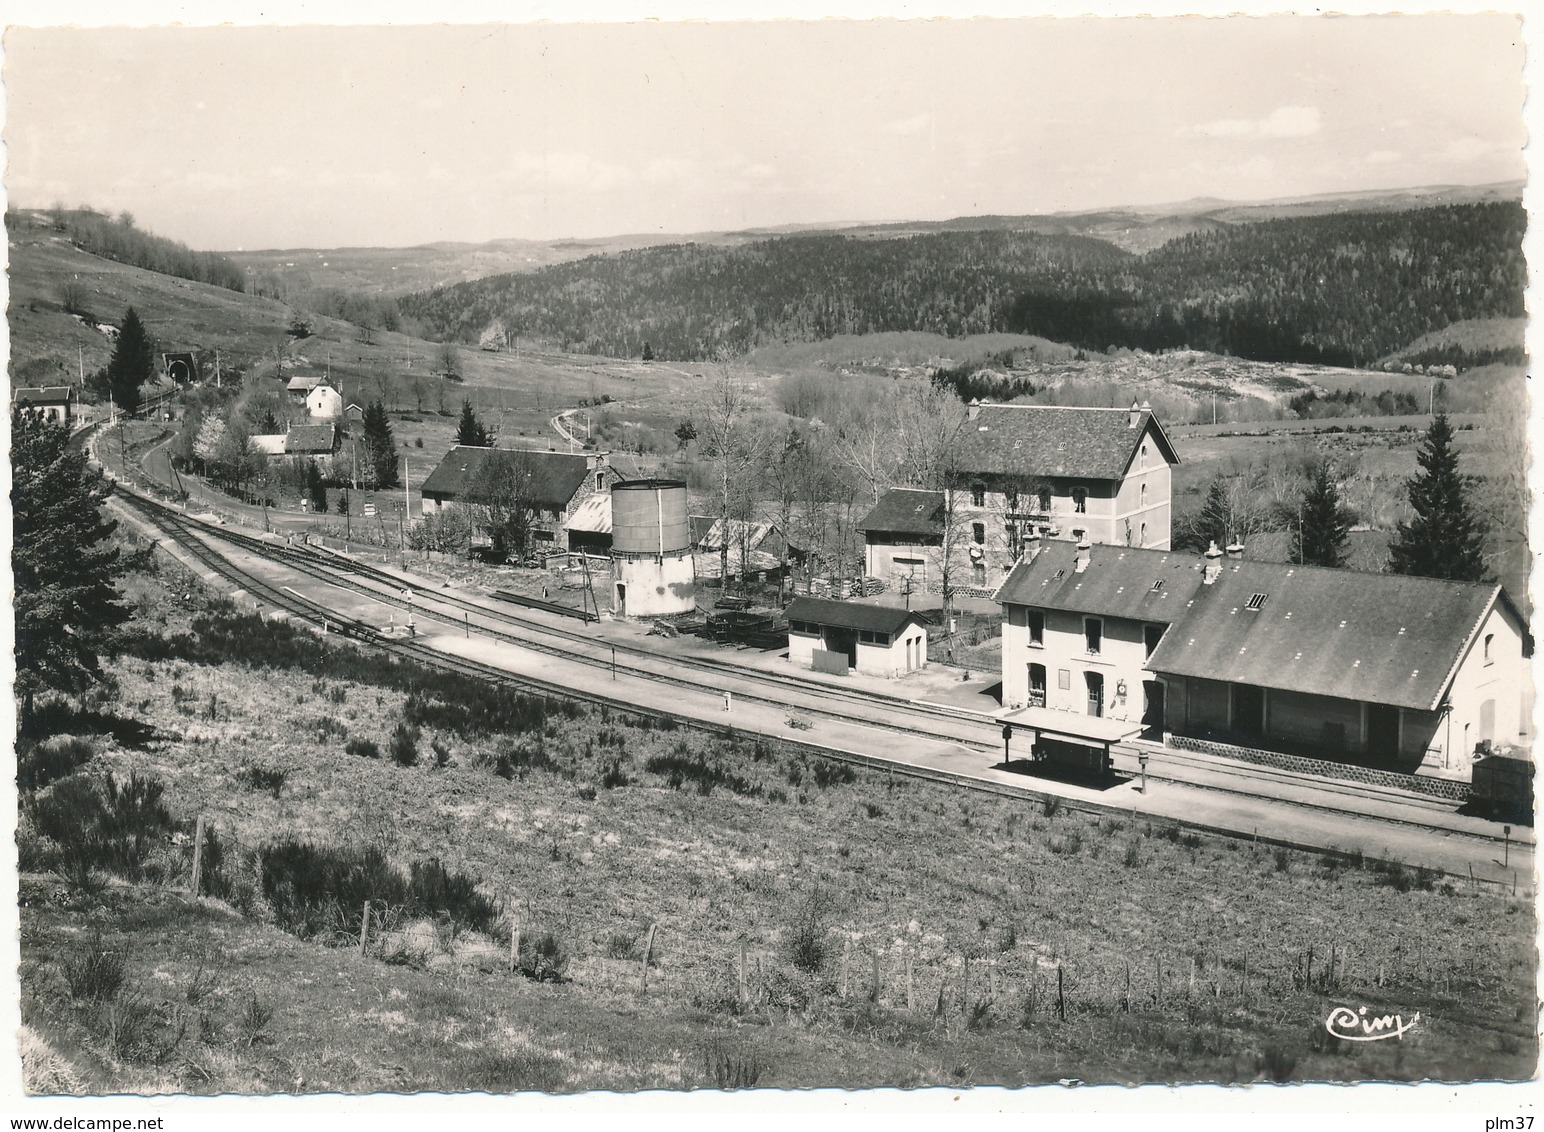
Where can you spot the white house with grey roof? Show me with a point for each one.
(1414, 675)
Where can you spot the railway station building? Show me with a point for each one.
(1411, 675)
(56, 402)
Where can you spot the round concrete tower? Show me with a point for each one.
(651, 549)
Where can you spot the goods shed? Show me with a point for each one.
(838, 636)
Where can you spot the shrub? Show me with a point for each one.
(1051, 806)
(1283, 859)
(828, 773)
(806, 942)
(681, 766)
(1133, 856)
(620, 945)
(95, 974)
(39, 764)
(265, 778)
(404, 744)
(730, 1066)
(442, 757)
(364, 748)
(543, 957)
(614, 776)
(102, 823)
(314, 890)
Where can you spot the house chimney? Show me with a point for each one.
(975, 408)
(1080, 562)
(1135, 417)
(1236, 551)
(1213, 565)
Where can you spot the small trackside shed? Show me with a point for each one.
(874, 640)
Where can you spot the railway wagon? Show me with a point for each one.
(1502, 786)
(1064, 759)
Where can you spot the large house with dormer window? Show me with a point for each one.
(1027, 472)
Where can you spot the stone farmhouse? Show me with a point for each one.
(1027, 473)
(560, 483)
(1412, 675)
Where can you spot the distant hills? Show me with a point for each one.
(1329, 284)
(1137, 228)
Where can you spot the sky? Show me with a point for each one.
(262, 137)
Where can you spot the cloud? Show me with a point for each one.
(1283, 122)
(571, 171)
(913, 125)
(1383, 157)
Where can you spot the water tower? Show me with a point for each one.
(651, 549)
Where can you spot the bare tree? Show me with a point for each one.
(449, 359)
(503, 492)
(729, 440)
(72, 296)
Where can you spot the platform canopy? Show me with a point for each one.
(1070, 725)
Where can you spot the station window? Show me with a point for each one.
(978, 495)
(1080, 499)
(1093, 634)
(978, 533)
(1035, 619)
(1045, 499)
(1489, 637)
(1144, 495)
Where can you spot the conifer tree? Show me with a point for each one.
(132, 364)
(380, 446)
(316, 489)
(64, 569)
(1216, 517)
(471, 431)
(1444, 540)
(1324, 524)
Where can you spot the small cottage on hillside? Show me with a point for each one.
(57, 402)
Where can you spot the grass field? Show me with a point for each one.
(1179, 957)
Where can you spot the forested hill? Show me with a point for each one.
(1343, 288)
(691, 301)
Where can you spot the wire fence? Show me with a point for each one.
(806, 968)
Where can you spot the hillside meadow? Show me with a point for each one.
(810, 924)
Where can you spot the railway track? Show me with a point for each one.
(977, 733)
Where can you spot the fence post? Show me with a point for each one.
(910, 986)
(965, 988)
(198, 857)
(874, 987)
(1061, 1000)
(514, 934)
(648, 950)
(364, 928)
(742, 974)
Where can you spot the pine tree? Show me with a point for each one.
(471, 431)
(1444, 540)
(316, 490)
(65, 603)
(1215, 521)
(132, 364)
(380, 446)
(1325, 524)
